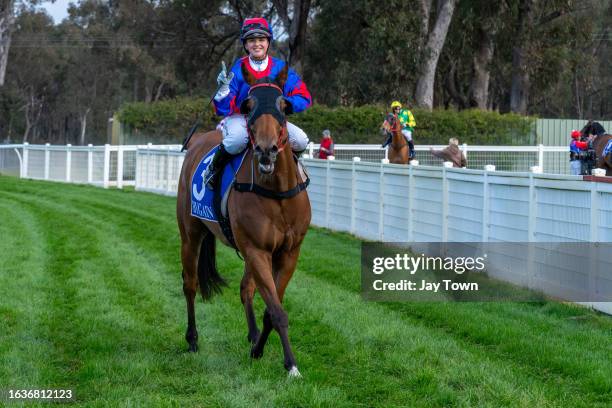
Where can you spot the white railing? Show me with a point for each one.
(552, 159)
(106, 166)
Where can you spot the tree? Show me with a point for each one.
(433, 46)
(295, 20)
(7, 19)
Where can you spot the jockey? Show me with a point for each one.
(408, 124)
(256, 36)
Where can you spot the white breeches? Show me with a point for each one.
(407, 134)
(236, 137)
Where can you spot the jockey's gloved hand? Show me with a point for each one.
(223, 80)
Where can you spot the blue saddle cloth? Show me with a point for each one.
(608, 149)
(202, 198)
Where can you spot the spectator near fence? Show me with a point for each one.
(451, 153)
(327, 145)
(578, 149)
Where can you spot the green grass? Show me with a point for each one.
(91, 299)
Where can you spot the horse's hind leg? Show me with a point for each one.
(190, 250)
(247, 292)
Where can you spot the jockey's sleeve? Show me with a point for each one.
(296, 92)
(411, 121)
(582, 145)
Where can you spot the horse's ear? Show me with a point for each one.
(281, 78)
(283, 105)
(247, 75)
(247, 106)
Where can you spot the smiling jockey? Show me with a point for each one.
(256, 36)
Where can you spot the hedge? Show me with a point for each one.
(170, 120)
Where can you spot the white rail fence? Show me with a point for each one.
(374, 201)
(111, 165)
(552, 159)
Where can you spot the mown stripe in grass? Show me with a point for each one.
(222, 320)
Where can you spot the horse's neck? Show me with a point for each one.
(398, 138)
(284, 176)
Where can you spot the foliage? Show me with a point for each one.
(172, 118)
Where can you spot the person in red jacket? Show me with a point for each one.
(327, 145)
(577, 149)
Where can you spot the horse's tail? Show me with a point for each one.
(208, 276)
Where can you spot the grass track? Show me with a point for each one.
(91, 299)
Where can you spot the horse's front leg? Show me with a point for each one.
(247, 292)
(272, 291)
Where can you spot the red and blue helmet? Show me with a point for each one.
(255, 27)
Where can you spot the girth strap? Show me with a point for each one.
(264, 192)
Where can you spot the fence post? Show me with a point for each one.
(594, 213)
(68, 161)
(444, 205)
(148, 175)
(311, 150)
(47, 159)
(90, 150)
(168, 169)
(541, 156)
(410, 201)
(24, 164)
(485, 207)
(381, 203)
(353, 192)
(533, 206)
(119, 166)
(106, 171)
(387, 153)
(327, 182)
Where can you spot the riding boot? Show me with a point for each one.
(388, 141)
(215, 168)
(411, 149)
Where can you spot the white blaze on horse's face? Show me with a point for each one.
(266, 131)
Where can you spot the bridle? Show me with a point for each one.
(393, 130)
(278, 115)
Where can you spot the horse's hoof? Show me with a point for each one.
(193, 348)
(253, 338)
(256, 353)
(294, 373)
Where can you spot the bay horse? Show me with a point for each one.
(599, 144)
(268, 229)
(399, 152)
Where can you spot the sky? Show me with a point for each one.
(58, 10)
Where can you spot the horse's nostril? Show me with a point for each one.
(274, 149)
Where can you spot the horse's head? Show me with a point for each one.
(266, 108)
(394, 124)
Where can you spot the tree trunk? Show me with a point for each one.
(479, 89)
(435, 42)
(519, 92)
(83, 120)
(296, 27)
(7, 20)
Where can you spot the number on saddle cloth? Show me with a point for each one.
(202, 198)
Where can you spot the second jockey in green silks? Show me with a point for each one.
(256, 36)
(408, 124)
